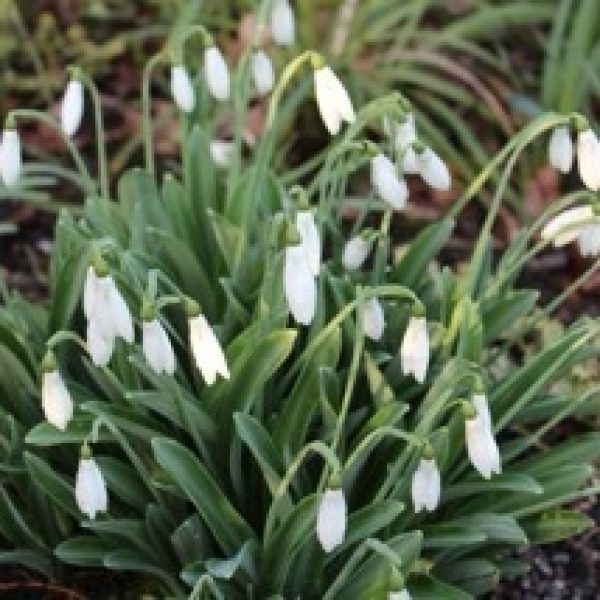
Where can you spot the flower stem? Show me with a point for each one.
(146, 110)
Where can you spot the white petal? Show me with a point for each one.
(409, 162)
(414, 351)
(566, 227)
(90, 488)
(262, 73)
(299, 285)
(403, 595)
(355, 252)
(426, 486)
(373, 319)
(406, 133)
(182, 89)
(71, 110)
(100, 342)
(588, 155)
(332, 516)
(589, 240)
(311, 240)
(207, 351)
(282, 23)
(157, 347)
(387, 184)
(560, 149)
(10, 157)
(482, 448)
(483, 410)
(433, 170)
(333, 101)
(91, 293)
(56, 400)
(216, 73)
(118, 312)
(221, 152)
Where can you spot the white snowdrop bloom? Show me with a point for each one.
(299, 285)
(589, 240)
(414, 351)
(263, 73)
(10, 157)
(207, 351)
(405, 133)
(221, 152)
(355, 252)
(560, 149)
(567, 226)
(332, 517)
(409, 162)
(157, 347)
(387, 184)
(216, 73)
(402, 595)
(588, 156)
(482, 449)
(57, 403)
(310, 239)
(426, 486)
(90, 488)
(433, 170)
(71, 109)
(373, 319)
(182, 89)
(282, 21)
(332, 100)
(100, 343)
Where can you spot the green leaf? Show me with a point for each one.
(556, 525)
(476, 576)
(425, 587)
(84, 551)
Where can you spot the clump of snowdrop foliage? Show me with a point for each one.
(238, 391)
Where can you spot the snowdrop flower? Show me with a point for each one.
(355, 252)
(332, 516)
(589, 240)
(262, 72)
(560, 149)
(90, 488)
(282, 23)
(373, 319)
(567, 226)
(481, 446)
(57, 403)
(71, 109)
(401, 595)
(426, 486)
(10, 157)
(216, 73)
(332, 100)
(299, 285)
(310, 239)
(182, 89)
(588, 156)
(221, 152)
(387, 184)
(433, 170)
(157, 347)
(404, 137)
(100, 343)
(206, 349)
(414, 351)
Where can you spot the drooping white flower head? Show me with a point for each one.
(426, 486)
(90, 488)
(481, 445)
(401, 595)
(567, 226)
(216, 72)
(282, 21)
(310, 239)
(207, 351)
(414, 351)
(560, 149)
(355, 252)
(588, 157)
(221, 151)
(404, 135)
(389, 187)
(589, 240)
(299, 285)
(71, 109)
(10, 157)
(182, 89)
(333, 101)
(263, 73)
(332, 517)
(373, 319)
(57, 403)
(157, 347)
(433, 170)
